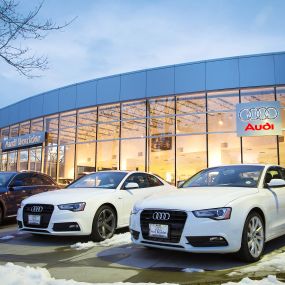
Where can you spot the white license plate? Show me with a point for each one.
(34, 219)
(159, 231)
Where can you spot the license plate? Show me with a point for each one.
(159, 231)
(34, 219)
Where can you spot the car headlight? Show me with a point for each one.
(74, 207)
(215, 214)
(135, 210)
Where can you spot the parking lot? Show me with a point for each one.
(120, 261)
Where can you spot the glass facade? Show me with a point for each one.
(172, 136)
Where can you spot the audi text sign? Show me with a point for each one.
(23, 141)
(261, 118)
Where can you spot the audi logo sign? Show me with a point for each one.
(37, 209)
(261, 113)
(161, 216)
(258, 118)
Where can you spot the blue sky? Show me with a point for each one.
(117, 36)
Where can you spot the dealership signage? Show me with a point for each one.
(23, 141)
(258, 118)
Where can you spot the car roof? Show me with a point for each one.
(245, 164)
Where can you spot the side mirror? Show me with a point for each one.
(11, 188)
(179, 183)
(132, 185)
(275, 183)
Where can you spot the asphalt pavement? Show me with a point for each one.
(122, 263)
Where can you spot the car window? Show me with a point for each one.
(153, 181)
(283, 173)
(139, 178)
(36, 180)
(226, 176)
(22, 179)
(273, 173)
(103, 180)
(45, 180)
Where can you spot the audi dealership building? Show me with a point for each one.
(172, 120)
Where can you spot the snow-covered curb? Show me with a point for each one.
(119, 239)
(6, 237)
(270, 263)
(265, 281)
(14, 274)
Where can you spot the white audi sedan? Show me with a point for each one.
(235, 208)
(94, 205)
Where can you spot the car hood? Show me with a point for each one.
(199, 198)
(65, 196)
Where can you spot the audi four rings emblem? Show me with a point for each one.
(261, 113)
(161, 216)
(37, 209)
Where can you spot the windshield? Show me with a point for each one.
(5, 178)
(105, 180)
(228, 176)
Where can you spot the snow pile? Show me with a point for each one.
(266, 281)
(114, 241)
(14, 274)
(6, 237)
(270, 263)
(192, 270)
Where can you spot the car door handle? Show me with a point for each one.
(120, 198)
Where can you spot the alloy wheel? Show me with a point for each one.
(106, 223)
(255, 236)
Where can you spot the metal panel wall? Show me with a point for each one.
(13, 114)
(190, 78)
(247, 71)
(4, 117)
(24, 110)
(160, 81)
(133, 86)
(222, 74)
(86, 94)
(256, 71)
(279, 61)
(108, 90)
(37, 105)
(51, 102)
(67, 98)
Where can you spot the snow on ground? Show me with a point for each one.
(270, 263)
(269, 280)
(6, 237)
(14, 274)
(114, 241)
(192, 270)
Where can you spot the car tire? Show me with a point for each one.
(104, 224)
(253, 238)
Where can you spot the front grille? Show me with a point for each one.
(45, 214)
(175, 224)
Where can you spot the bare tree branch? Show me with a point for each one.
(15, 28)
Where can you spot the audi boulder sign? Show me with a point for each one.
(261, 118)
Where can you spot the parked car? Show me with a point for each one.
(16, 186)
(95, 205)
(235, 208)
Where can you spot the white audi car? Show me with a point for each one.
(235, 208)
(94, 205)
